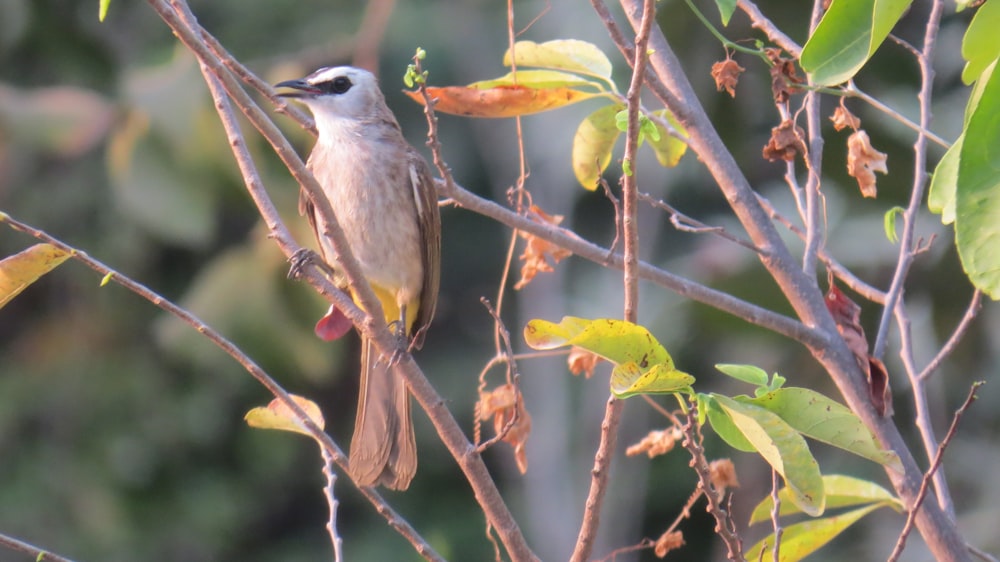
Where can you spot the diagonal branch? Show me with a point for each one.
(448, 429)
(937, 527)
(394, 519)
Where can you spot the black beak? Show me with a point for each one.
(305, 90)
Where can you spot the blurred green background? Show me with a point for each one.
(121, 432)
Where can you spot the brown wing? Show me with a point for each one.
(429, 219)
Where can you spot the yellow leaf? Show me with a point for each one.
(502, 101)
(23, 269)
(571, 55)
(592, 145)
(279, 416)
(668, 148)
(617, 341)
(537, 79)
(628, 379)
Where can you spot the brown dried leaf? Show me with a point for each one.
(668, 541)
(723, 475)
(785, 142)
(878, 384)
(656, 442)
(842, 118)
(863, 161)
(784, 78)
(538, 252)
(847, 314)
(582, 361)
(727, 74)
(504, 404)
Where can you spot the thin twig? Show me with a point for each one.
(956, 336)
(685, 223)
(814, 218)
(911, 516)
(394, 519)
(775, 513)
(723, 518)
(760, 21)
(906, 246)
(331, 502)
(630, 234)
(839, 270)
(644, 544)
(39, 554)
(922, 414)
(506, 357)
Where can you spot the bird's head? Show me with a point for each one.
(337, 92)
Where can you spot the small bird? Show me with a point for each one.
(383, 195)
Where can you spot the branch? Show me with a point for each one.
(723, 518)
(937, 527)
(40, 555)
(906, 248)
(970, 314)
(901, 542)
(630, 232)
(397, 522)
(448, 429)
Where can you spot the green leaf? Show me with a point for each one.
(628, 379)
(849, 33)
(20, 270)
(746, 373)
(782, 447)
(668, 148)
(538, 79)
(723, 425)
(941, 196)
(801, 539)
(981, 43)
(889, 223)
(841, 491)
(102, 10)
(977, 193)
(592, 145)
(571, 55)
(816, 416)
(726, 10)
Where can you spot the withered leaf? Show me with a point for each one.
(505, 404)
(863, 161)
(538, 252)
(785, 142)
(847, 314)
(842, 118)
(727, 74)
(671, 540)
(878, 384)
(784, 78)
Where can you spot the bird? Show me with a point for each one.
(383, 195)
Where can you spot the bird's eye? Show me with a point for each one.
(340, 85)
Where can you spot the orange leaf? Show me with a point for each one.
(501, 101)
(538, 252)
